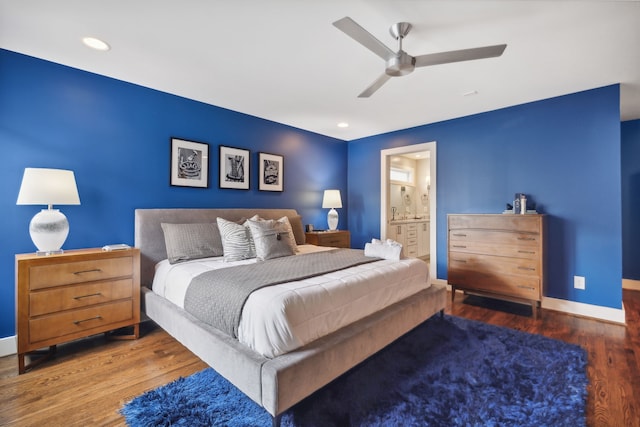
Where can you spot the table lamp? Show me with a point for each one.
(332, 200)
(49, 228)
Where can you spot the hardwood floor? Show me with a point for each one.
(89, 380)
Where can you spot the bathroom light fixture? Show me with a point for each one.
(332, 200)
(49, 228)
(96, 44)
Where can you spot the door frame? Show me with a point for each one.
(384, 195)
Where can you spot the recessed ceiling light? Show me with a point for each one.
(343, 125)
(95, 43)
(470, 93)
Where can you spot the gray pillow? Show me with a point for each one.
(273, 239)
(185, 242)
(298, 229)
(235, 240)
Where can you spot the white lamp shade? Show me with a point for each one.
(48, 187)
(49, 228)
(331, 199)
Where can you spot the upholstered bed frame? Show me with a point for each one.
(279, 383)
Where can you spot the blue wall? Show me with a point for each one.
(631, 199)
(564, 152)
(115, 136)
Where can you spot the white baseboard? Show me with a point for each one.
(598, 312)
(8, 346)
(576, 308)
(633, 285)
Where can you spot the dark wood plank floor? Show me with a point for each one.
(89, 380)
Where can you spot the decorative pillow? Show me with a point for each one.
(292, 238)
(273, 239)
(235, 240)
(185, 242)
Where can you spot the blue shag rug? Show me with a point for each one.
(447, 372)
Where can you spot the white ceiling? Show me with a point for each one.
(282, 60)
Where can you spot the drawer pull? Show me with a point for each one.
(459, 235)
(77, 322)
(526, 287)
(464, 261)
(526, 252)
(94, 270)
(526, 238)
(527, 268)
(87, 296)
(459, 246)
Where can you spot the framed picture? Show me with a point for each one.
(271, 172)
(189, 163)
(234, 168)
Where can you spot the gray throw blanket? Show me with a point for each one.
(217, 297)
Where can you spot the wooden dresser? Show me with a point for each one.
(337, 238)
(501, 256)
(73, 295)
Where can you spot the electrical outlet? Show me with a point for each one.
(578, 282)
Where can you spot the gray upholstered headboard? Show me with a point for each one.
(149, 237)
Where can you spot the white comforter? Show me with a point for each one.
(280, 318)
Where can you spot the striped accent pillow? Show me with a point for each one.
(236, 240)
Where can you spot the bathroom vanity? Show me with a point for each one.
(413, 234)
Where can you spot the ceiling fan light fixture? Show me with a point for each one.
(95, 43)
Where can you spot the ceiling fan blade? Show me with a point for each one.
(460, 55)
(362, 36)
(374, 86)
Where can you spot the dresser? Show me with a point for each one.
(73, 295)
(337, 238)
(501, 256)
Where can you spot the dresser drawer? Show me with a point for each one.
(500, 249)
(526, 287)
(495, 236)
(521, 223)
(70, 322)
(45, 276)
(495, 265)
(77, 296)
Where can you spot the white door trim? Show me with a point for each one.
(384, 195)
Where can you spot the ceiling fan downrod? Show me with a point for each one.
(402, 63)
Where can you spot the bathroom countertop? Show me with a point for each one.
(408, 220)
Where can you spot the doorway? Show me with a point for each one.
(385, 184)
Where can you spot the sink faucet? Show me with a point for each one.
(393, 213)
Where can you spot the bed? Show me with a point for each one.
(274, 381)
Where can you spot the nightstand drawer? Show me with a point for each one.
(59, 299)
(338, 239)
(46, 276)
(66, 323)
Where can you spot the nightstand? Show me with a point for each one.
(337, 238)
(73, 295)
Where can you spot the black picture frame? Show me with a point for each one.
(189, 163)
(271, 172)
(235, 168)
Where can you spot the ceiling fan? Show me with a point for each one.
(400, 63)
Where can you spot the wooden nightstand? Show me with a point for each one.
(337, 238)
(73, 295)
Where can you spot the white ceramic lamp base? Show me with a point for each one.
(332, 219)
(49, 229)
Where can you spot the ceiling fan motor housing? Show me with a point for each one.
(400, 65)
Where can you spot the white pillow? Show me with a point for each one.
(273, 239)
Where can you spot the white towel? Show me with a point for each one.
(389, 249)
